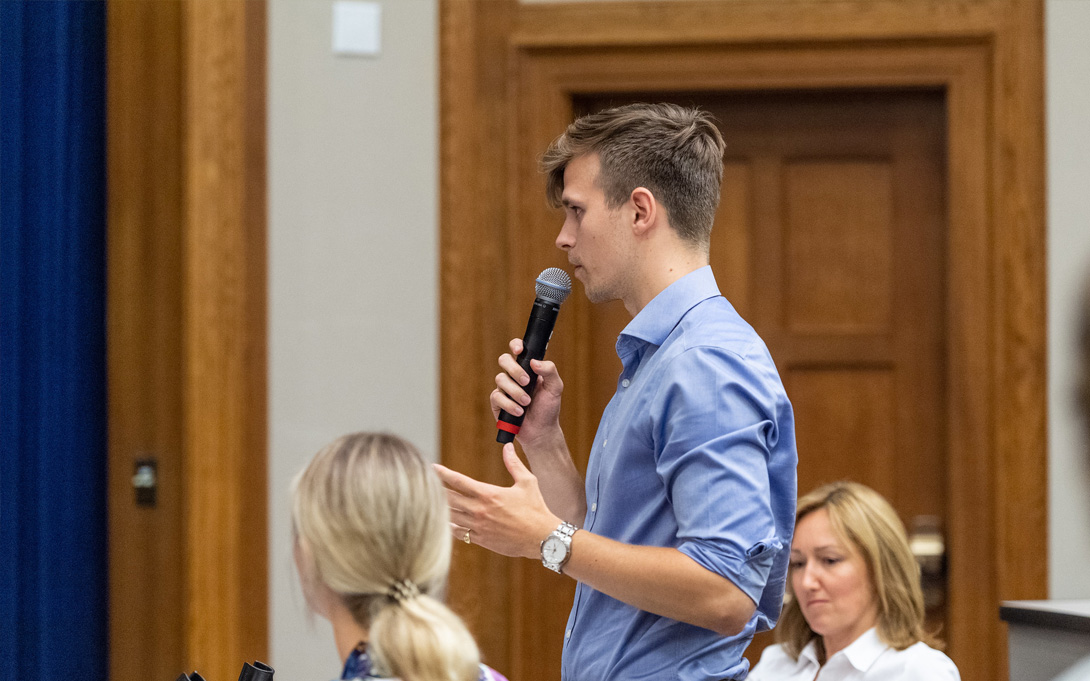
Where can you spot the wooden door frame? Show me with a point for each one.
(501, 59)
(186, 320)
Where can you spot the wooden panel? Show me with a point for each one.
(985, 56)
(847, 429)
(225, 390)
(472, 260)
(187, 362)
(144, 347)
(970, 410)
(1021, 269)
(840, 246)
(669, 22)
(731, 245)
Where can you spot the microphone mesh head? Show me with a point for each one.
(553, 284)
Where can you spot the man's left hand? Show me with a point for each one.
(511, 521)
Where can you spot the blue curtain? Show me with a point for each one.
(53, 579)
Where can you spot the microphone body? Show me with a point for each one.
(553, 286)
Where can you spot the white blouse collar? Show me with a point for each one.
(809, 654)
(862, 653)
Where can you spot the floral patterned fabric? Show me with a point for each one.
(358, 667)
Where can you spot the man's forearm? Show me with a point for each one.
(660, 580)
(559, 480)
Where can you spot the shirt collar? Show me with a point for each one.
(861, 654)
(864, 650)
(809, 654)
(659, 317)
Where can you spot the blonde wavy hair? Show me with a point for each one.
(371, 523)
(863, 519)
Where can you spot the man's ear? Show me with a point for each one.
(646, 210)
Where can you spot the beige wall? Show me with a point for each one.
(352, 264)
(1068, 111)
(353, 269)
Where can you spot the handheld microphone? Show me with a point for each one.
(552, 287)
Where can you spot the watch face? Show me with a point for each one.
(554, 550)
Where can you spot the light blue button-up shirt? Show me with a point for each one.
(695, 451)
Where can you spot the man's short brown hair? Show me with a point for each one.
(673, 151)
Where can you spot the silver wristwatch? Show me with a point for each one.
(556, 549)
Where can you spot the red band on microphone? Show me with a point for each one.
(509, 427)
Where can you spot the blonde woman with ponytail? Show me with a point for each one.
(372, 548)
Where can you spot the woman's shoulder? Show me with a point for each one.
(773, 653)
(774, 664)
(926, 662)
(933, 655)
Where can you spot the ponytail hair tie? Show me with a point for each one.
(403, 590)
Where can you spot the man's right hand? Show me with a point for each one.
(542, 420)
(541, 437)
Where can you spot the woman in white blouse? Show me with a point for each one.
(854, 608)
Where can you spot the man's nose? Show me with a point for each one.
(564, 240)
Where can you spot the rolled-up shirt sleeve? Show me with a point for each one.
(715, 435)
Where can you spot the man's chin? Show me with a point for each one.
(595, 296)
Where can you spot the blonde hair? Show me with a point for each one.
(673, 151)
(371, 524)
(866, 521)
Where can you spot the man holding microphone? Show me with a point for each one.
(679, 535)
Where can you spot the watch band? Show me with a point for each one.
(566, 530)
(562, 533)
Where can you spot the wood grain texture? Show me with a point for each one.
(144, 348)
(473, 298)
(840, 245)
(972, 385)
(224, 336)
(755, 22)
(985, 55)
(187, 369)
(1019, 201)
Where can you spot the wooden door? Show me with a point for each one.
(514, 74)
(829, 240)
